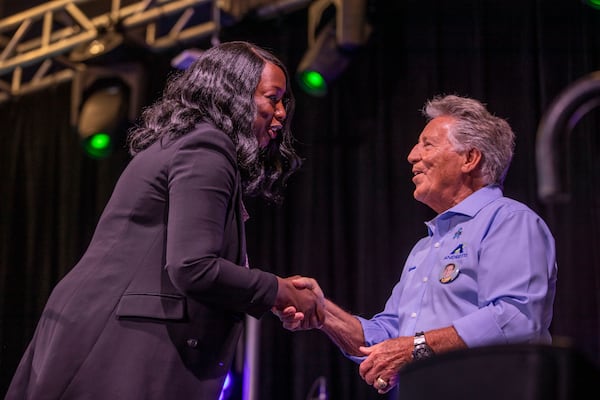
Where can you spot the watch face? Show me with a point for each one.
(422, 351)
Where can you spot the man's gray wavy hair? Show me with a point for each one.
(476, 127)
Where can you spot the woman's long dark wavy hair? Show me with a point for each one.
(219, 88)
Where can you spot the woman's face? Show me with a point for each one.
(269, 102)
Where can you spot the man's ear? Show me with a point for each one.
(472, 159)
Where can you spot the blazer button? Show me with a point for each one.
(193, 343)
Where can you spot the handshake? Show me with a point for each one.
(300, 303)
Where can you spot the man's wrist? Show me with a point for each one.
(421, 350)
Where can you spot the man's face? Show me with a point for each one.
(437, 167)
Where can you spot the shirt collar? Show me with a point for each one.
(476, 201)
(468, 206)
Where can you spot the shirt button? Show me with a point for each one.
(425, 279)
(436, 245)
(413, 315)
(193, 343)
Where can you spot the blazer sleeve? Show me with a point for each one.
(202, 185)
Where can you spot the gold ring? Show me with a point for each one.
(380, 383)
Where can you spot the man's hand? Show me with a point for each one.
(383, 362)
(292, 316)
(300, 303)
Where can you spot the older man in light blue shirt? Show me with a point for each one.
(502, 289)
(486, 272)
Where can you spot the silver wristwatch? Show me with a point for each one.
(421, 349)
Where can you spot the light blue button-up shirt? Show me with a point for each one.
(505, 286)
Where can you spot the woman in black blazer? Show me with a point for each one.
(155, 307)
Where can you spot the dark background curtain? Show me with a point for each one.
(349, 218)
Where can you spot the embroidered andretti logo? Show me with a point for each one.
(458, 249)
(458, 252)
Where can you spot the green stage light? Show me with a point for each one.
(593, 3)
(98, 145)
(312, 82)
(102, 116)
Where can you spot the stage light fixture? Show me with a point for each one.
(331, 44)
(323, 62)
(104, 101)
(103, 112)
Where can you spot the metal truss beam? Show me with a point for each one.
(63, 26)
(38, 46)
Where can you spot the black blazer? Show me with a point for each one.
(155, 307)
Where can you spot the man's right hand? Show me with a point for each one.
(300, 303)
(292, 316)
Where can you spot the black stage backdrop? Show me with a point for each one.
(349, 218)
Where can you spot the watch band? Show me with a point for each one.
(419, 338)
